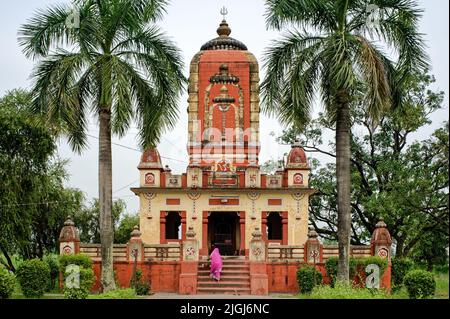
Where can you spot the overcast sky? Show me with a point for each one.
(190, 23)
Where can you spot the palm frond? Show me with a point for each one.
(279, 60)
(374, 68)
(46, 27)
(314, 14)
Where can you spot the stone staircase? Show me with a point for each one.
(234, 280)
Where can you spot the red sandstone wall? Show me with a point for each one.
(163, 276)
(283, 277)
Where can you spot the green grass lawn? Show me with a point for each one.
(441, 285)
(442, 291)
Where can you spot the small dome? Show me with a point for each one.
(151, 159)
(297, 157)
(224, 41)
(69, 232)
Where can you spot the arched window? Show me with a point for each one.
(173, 225)
(274, 226)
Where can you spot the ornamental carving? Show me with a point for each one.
(149, 197)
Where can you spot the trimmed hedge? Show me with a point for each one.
(52, 261)
(357, 267)
(400, 267)
(7, 283)
(420, 284)
(81, 260)
(86, 282)
(331, 266)
(86, 275)
(34, 277)
(308, 277)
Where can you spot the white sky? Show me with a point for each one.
(190, 23)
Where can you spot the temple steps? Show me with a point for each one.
(234, 280)
(225, 291)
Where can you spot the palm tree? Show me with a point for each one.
(104, 57)
(334, 49)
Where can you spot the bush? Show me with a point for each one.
(358, 267)
(441, 269)
(400, 267)
(128, 293)
(86, 275)
(420, 284)
(342, 291)
(308, 277)
(81, 292)
(142, 288)
(34, 277)
(7, 283)
(331, 266)
(81, 260)
(52, 261)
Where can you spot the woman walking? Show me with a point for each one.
(216, 264)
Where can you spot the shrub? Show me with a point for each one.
(400, 266)
(7, 283)
(358, 267)
(342, 291)
(420, 284)
(52, 261)
(308, 277)
(128, 293)
(81, 260)
(86, 275)
(81, 292)
(33, 276)
(142, 287)
(331, 267)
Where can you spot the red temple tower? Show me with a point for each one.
(224, 106)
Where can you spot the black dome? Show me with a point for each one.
(224, 41)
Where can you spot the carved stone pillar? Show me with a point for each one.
(264, 226)
(381, 241)
(69, 238)
(313, 248)
(380, 245)
(259, 282)
(189, 264)
(135, 246)
(242, 230)
(285, 224)
(162, 228)
(204, 249)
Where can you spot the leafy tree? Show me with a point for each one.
(87, 220)
(116, 64)
(33, 200)
(404, 181)
(125, 227)
(340, 59)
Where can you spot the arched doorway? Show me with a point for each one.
(224, 233)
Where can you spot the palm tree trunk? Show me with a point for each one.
(343, 184)
(105, 200)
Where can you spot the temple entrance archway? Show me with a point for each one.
(224, 232)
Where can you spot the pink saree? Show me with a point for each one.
(216, 264)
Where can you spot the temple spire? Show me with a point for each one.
(224, 12)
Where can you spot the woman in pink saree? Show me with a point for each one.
(216, 264)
